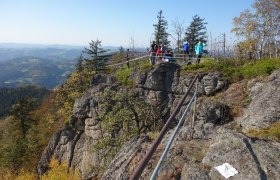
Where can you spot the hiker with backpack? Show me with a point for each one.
(153, 50)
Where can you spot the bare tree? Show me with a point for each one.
(177, 31)
(132, 43)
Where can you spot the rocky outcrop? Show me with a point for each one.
(209, 116)
(263, 109)
(48, 152)
(197, 159)
(184, 156)
(214, 143)
(162, 88)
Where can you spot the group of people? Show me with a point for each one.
(160, 52)
(198, 50)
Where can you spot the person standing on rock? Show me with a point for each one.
(186, 49)
(153, 50)
(198, 51)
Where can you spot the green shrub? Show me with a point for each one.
(260, 68)
(124, 74)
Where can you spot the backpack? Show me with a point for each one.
(154, 47)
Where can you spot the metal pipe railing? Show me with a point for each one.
(156, 170)
(138, 171)
(135, 59)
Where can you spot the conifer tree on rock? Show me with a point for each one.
(96, 56)
(161, 36)
(196, 31)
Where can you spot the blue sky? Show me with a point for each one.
(114, 22)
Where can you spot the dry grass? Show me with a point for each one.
(272, 132)
(236, 97)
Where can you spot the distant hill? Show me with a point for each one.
(56, 52)
(10, 96)
(44, 65)
(35, 70)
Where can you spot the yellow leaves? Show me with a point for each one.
(23, 175)
(60, 171)
(245, 24)
(50, 119)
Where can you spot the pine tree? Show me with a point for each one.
(161, 36)
(21, 111)
(121, 50)
(97, 55)
(79, 65)
(196, 31)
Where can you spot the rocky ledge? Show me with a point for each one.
(215, 140)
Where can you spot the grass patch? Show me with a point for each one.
(153, 135)
(260, 68)
(272, 132)
(145, 65)
(236, 70)
(196, 150)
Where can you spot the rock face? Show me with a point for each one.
(265, 102)
(213, 82)
(188, 159)
(253, 159)
(197, 159)
(210, 115)
(119, 167)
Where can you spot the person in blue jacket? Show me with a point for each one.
(199, 50)
(186, 49)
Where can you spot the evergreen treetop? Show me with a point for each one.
(161, 36)
(95, 55)
(196, 32)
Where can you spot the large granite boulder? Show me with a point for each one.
(263, 109)
(252, 158)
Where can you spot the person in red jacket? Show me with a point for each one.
(158, 54)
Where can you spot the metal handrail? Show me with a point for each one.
(158, 56)
(156, 170)
(135, 59)
(138, 171)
